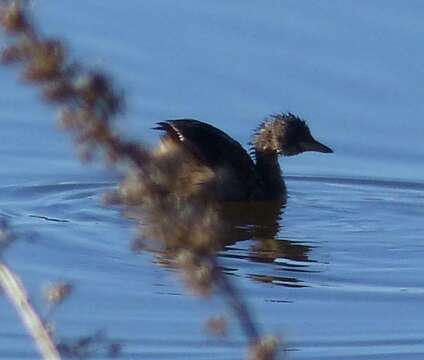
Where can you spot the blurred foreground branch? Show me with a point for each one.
(15, 291)
(173, 214)
(18, 297)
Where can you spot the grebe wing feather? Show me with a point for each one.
(211, 145)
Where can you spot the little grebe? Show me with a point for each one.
(236, 175)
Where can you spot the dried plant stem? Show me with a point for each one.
(236, 303)
(17, 295)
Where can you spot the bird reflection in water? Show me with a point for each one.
(260, 221)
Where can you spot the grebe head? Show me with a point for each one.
(286, 134)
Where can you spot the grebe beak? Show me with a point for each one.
(314, 145)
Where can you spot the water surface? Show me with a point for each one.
(338, 274)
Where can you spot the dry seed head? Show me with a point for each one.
(11, 55)
(92, 86)
(201, 279)
(265, 349)
(13, 18)
(57, 293)
(197, 272)
(96, 90)
(20, 51)
(132, 189)
(6, 235)
(58, 91)
(68, 118)
(46, 61)
(185, 258)
(217, 326)
(203, 236)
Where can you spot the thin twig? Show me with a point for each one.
(236, 303)
(17, 295)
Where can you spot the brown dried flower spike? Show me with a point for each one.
(57, 293)
(46, 61)
(265, 349)
(217, 325)
(13, 19)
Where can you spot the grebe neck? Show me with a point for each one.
(269, 173)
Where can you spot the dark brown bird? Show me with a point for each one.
(236, 175)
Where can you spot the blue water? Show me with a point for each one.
(346, 280)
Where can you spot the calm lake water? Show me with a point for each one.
(345, 277)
